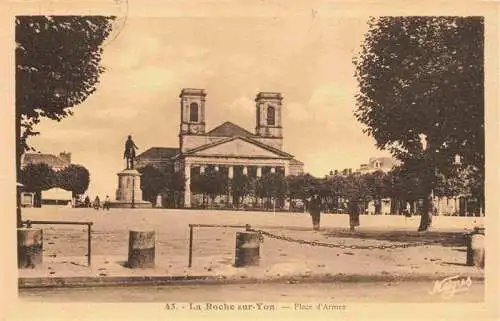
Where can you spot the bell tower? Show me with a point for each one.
(268, 123)
(192, 111)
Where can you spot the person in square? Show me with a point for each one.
(315, 210)
(106, 203)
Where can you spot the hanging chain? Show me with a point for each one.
(341, 246)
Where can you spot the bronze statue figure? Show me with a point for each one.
(129, 153)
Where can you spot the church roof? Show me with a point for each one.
(247, 139)
(295, 162)
(228, 129)
(49, 159)
(159, 153)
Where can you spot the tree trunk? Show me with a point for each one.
(426, 217)
(394, 206)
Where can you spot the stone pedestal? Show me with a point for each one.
(247, 249)
(129, 193)
(476, 248)
(29, 247)
(141, 249)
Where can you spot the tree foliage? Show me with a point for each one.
(272, 187)
(74, 178)
(153, 181)
(424, 77)
(38, 177)
(300, 187)
(211, 183)
(421, 75)
(241, 186)
(57, 66)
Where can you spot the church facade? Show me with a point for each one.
(228, 147)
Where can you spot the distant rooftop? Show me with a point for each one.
(49, 159)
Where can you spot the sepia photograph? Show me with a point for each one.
(251, 162)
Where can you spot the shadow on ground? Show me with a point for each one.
(439, 238)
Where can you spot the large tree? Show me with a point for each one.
(240, 188)
(423, 77)
(299, 188)
(272, 187)
(153, 181)
(74, 178)
(57, 67)
(37, 178)
(211, 183)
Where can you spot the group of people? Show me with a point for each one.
(97, 203)
(314, 207)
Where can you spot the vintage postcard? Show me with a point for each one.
(243, 159)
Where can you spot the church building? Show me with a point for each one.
(227, 147)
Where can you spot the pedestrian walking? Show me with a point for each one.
(315, 210)
(97, 203)
(106, 203)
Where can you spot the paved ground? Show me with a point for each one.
(213, 252)
(329, 293)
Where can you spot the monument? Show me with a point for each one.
(129, 193)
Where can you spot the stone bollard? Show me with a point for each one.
(475, 248)
(141, 249)
(29, 247)
(247, 249)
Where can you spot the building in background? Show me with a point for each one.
(228, 147)
(384, 164)
(57, 163)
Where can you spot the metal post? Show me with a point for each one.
(190, 244)
(89, 244)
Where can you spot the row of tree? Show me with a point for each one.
(40, 177)
(402, 185)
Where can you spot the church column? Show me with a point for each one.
(287, 170)
(202, 169)
(230, 172)
(245, 170)
(259, 171)
(187, 188)
(273, 170)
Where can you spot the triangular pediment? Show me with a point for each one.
(242, 147)
(229, 129)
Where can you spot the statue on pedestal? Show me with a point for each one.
(129, 153)
(129, 192)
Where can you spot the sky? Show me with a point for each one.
(307, 58)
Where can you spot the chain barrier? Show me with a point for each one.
(341, 246)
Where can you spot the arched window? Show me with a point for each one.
(193, 112)
(271, 116)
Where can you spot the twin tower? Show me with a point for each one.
(268, 128)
